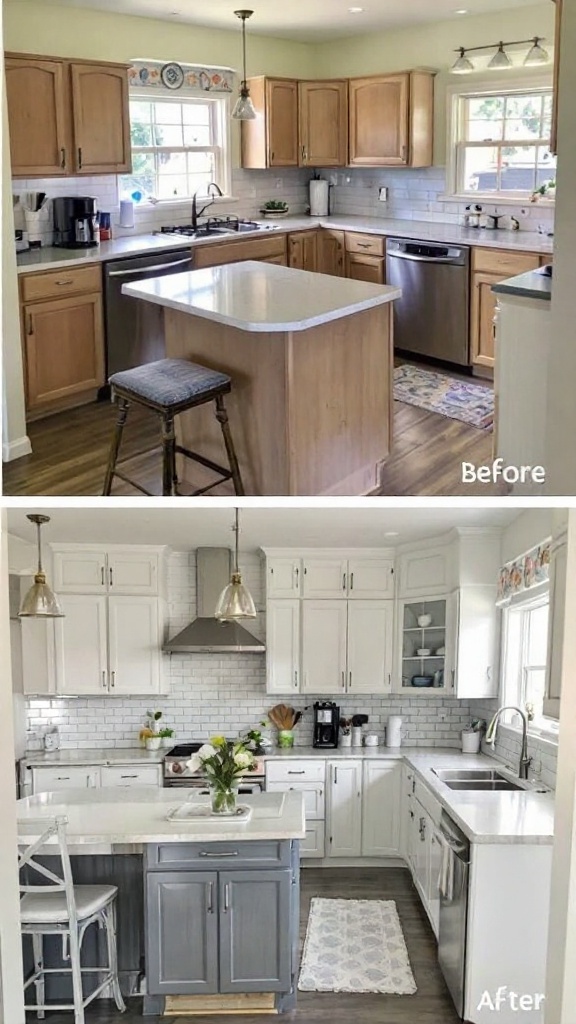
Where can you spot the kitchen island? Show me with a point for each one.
(213, 905)
(310, 358)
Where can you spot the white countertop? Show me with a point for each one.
(262, 297)
(95, 756)
(119, 817)
(139, 245)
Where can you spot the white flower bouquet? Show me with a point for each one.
(223, 762)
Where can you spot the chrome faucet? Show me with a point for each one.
(525, 760)
(196, 213)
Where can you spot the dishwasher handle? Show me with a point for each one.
(150, 270)
(397, 255)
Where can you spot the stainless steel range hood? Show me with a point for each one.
(205, 635)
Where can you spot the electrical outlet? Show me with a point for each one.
(279, 183)
(383, 194)
(442, 716)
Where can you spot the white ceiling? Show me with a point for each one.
(303, 20)
(189, 528)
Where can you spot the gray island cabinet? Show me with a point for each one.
(221, 918)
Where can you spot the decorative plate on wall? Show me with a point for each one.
(172, 76)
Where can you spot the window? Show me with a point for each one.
(525, 655)
(502, 143)
(178, 146)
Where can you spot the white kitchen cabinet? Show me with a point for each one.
(81, 646)
(128, 776)
(314, 843)
(344, 830)
(324, 646)
(133, 572)
(556, 615)
(49, 780)
(354, 578)
(370, 639)
(312, 792)
(283, 646)
(435, 638)
(370, 578)
(134, 645)
(380, 808)
(425, 571)
(475, 651)
(87, 569)
(37, 655)
(81, 571)
(325, 577)
(283, 577)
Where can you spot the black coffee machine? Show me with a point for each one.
(75, 219)
(326, 724)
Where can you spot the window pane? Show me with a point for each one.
(168, 135)
(201, 163)
(518, 168)
(523, 129)
(196, 113)
(139, 111)
(489, 108)
(144, 183)
(172, 186)
(140, 133)
(143, 163)
(534, 690)
(546, 170)
(197, 135)
(167, 113)
(485, 131)
(527, 108)
(481, 169)
(537, 636)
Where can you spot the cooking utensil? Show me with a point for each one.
(422, 680)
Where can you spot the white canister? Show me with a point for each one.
(371, 739)
(126, 213)
(394, 731)
(345, 740)
(471, 741)
(357, 735)
(319, 197)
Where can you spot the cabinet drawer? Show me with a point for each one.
(313, 845)
(125, 776)
(295, 771)
(498, 261)
(47, 780)
(214, 255)
(35, 287)
(313, 793)
(372, 245)
(210, 856)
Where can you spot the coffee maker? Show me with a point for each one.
(326, 724)
(75, 222)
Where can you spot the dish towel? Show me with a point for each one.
(447, 872)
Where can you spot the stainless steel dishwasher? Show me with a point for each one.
(432, 317)
(453, 885)
(134, 330)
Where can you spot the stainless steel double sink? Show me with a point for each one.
(484, 780)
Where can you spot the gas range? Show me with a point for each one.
(176, 773)
(217, 226)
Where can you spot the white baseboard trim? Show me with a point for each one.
(12, 450)
(394, 861)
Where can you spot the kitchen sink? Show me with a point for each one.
(483, 785)
(485, 780)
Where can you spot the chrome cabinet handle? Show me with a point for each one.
(343, 680)
(302, 772)
(102, 575)
(343, 581)
(297, 575)
(30, 324)
(161, 266)
(335, 775)
(62, 157)
(349, 680)
(226, 896)
(364, 245)
(104, 678)
(453, 674)
(111, 576)
(113, 683)
(210, 886)
(65, 283)
(206, 853)
(351, 581)
(295, 678)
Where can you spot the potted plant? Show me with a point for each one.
(275, 208)
(167, 736)
(254, 740)
(547, 190)
(223, 762)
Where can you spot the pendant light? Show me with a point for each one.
(40, 602)
(500, 61)
(235, 601)
(463, 65)
(537, 55)
(244, 109)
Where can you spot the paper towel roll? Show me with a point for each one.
(319, 191)
(126, 213)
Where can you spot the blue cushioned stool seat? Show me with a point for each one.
(171, 382)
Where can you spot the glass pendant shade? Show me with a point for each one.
(500, 61)
(537, 55)
(235, 601)
(40, 602)
(244, 109)
(463, 65)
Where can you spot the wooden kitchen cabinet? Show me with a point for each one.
(271, 140)
(271, 249)
(323, 123)
(489, 267)
(391, 120)
(366, 268)
(67, 117)
(331, 252)
(302, 250)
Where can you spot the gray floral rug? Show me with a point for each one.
(355, 946)
(437, 392)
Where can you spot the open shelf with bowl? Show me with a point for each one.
(423, 645)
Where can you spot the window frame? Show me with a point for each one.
(220, 142)
(481, 85)
(512, 691)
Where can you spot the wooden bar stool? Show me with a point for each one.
(169, 387)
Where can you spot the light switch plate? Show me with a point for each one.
(383, 194)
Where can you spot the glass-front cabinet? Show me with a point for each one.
(424, 652)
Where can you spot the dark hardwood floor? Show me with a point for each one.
(430, 1005)
(70, 451)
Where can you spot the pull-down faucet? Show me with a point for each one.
(198, 213)
(525, 760)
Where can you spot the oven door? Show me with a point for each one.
(201, 786)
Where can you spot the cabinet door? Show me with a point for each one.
(379, 115)
(50, 780)
(424, 572)
(323, 646)
(283, 646)
(255, 931)
(476, 655)
(323, 116)
(380, 808)
(366, 268)
(423, 830)
(313, 845)
(325, 577)
(127, 776)
(370, 632)
(312, 792)
(302, 250)
(344, 819)
(79, 572)
(37, 97)
(81, 646)
(282, 122)
(101, 119)
(181, 932)
(558, 582)
(134, 639)
(482, 319)
(283, 577)
(64, 348)
(370, 578)
(331, 252)
(133, 572)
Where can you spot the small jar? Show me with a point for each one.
(285, 738)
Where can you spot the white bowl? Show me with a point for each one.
(423, 652)
(424, 620)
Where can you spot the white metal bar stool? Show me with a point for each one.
(62, 908)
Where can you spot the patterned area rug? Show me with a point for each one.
(437, 392)
(355, 946)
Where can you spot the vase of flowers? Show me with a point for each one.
(223, 762)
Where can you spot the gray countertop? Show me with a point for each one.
(532, 285)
